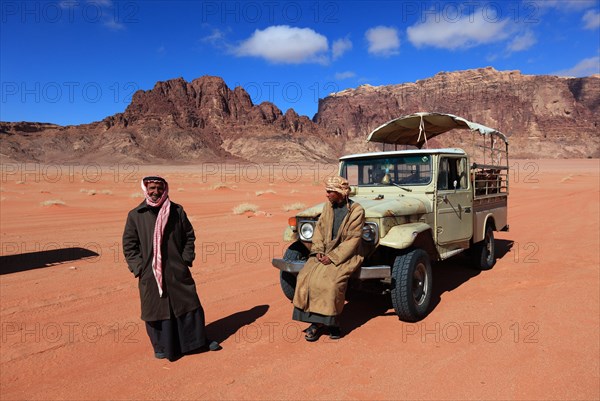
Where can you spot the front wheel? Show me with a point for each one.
(484, 252)
(411, 285)
(288, 284)
(287, 280)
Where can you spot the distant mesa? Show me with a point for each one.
(204, 120)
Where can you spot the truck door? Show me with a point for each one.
(454, 201)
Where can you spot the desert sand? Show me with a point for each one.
(69, 307)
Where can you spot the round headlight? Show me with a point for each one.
(306, 231)
(368, 233)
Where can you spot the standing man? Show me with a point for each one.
(158, 243)
(335, 254)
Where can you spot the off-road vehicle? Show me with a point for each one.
(421, 206)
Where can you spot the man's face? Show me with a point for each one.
(334, 197)
(155, 190)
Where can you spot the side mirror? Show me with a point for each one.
(455, 183)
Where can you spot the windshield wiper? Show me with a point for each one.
(401, 187)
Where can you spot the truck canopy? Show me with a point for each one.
(415, 129)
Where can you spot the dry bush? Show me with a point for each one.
(106, 192)
(136, 195)
(266, 191)
(245, 207)
(567, 178)
(51, 202)
(219, 185)
(294, 206)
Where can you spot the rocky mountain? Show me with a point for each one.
(543, 116)
(190, 122)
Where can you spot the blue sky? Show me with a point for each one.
(78, 61)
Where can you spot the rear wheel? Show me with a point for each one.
(484, 252)
(411, 285)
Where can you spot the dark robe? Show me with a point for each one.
(168, 317)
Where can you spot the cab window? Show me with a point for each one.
(451, 170)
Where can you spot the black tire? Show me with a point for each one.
(288, 284)
(411, 285)
(484, 252)
(296, 251)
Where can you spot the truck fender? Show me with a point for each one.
(479, 232)
(404, 235)
(289, 235)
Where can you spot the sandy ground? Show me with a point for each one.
(70, 327)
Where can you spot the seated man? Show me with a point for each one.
(335, 255)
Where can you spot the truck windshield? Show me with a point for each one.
(392, 170)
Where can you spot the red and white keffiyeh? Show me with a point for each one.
(159, 227)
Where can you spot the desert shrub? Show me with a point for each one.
(266, 191)
(245, 207)
(51, 202)
(294, 206)
(219, 185)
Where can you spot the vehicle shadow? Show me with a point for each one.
(220, 330)
(37, 260)
(447, 276)
(454, 272)
(361, 308)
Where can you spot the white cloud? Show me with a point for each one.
(584, 68)
(216, 37)
(591, 19)
(462, 33)
(344, 75)
(522, 42)
(383, 41)
(565, 5)
(113, 25)
(284, 44)
(339, 47)
(101, 3)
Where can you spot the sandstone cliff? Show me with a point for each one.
(190, 122)
(543, 116)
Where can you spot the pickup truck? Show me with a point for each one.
(421, 206)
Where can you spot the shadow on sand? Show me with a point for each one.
(220, 330)
(38, 260)
(447, 276)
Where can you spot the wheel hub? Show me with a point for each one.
(419, 283)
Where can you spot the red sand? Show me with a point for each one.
(527, 329)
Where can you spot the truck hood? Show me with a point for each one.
(400, 206)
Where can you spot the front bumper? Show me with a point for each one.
(363, 273)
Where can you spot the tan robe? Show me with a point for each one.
(321, 288)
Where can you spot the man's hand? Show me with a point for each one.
(321, 257)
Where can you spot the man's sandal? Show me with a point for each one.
(313, 332)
